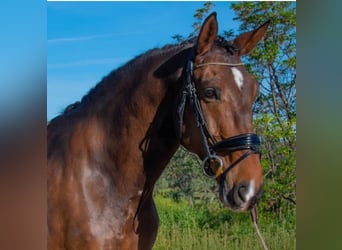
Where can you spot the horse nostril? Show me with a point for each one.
(242, 191)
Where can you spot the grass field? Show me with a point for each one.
(213, 227)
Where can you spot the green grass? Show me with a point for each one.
(212, 227)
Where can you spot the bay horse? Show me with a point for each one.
(106, 152)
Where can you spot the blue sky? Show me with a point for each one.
(87, 40)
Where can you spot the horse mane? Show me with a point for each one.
(227, 45)
(111, 81)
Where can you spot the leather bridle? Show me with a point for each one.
(248, 141)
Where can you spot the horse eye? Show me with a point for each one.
(210, 93)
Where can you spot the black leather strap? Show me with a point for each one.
(242, 157)
(239, 142)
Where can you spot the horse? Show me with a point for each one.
(106, 152)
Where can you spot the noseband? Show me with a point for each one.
(247, 141)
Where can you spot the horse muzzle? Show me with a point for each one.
(241, 197)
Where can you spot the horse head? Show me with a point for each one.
(214, 113)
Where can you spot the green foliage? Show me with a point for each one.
(279, 164)
(183, 178)
(210, 227)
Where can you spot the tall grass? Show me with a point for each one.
(185, 227)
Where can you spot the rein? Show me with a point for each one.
(254, 218)
(247, 141)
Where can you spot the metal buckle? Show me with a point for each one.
(206, 166)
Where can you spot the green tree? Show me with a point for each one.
(183, 178)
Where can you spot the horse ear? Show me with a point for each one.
(207, 35)
(247, 41)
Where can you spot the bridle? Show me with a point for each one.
(248, 141)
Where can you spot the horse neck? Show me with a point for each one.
(136, 109)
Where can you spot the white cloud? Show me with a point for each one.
(90, 37)
(83, 63)
(76, 39)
